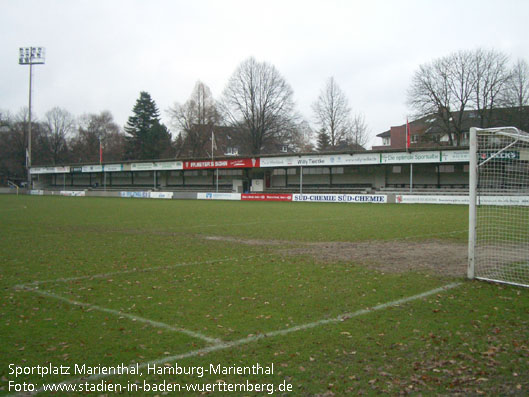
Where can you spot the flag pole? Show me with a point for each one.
(212, 161)
(408, 139)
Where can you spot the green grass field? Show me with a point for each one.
(339, 298)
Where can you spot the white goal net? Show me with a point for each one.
(499, 205)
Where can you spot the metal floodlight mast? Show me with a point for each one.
(30, 56)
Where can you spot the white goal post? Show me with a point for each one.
(498, 237)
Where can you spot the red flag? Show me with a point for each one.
(408, 133)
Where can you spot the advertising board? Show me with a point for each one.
(161, 195)
(266, 197)
(341, 198)
(73, 193)
(463, 200)
(209, 164)
(135, 194)
(218, 196)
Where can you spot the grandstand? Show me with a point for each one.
(360, 172)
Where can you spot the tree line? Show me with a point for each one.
(480, 82)
(256, 114)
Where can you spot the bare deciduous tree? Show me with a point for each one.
(58, 127)
(491, 75)
(478, 80)
(258, 102)
(517, 92)
(332, 111)
(196, 120)
(359, 131)
(94, 128)
(336, 120)
(445, 88)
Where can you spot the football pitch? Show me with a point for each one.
(138, 296)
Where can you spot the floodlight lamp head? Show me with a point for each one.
(31, 55)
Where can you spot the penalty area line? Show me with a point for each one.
(255, 338)
(132, 317)
(32, 284)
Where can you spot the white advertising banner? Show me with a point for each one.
(92, 168)
(219, 196)
(430, 199)
(169, 165)
(73, 193)
(142, 166)
(279, 161)
(365, 158)
(455, 156)
(50, 170)
(158, 166)
(341, 198)
(414, 157)
(135, 194)
(321, 160)
(162, 195)
(113, 167)
(504, 200)
(453, 199)
(431, 156)
(40, 170)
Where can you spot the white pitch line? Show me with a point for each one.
(13, 209)
(134, 270)
(132, 317)
(254, 338)
(262, 223)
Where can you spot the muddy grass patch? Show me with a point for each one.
(439, 257)
(435, 256)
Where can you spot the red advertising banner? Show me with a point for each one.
(208, 164)
(266, 197)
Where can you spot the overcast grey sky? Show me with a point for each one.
(101, 53)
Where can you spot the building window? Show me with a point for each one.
(386, 141)
(414, 138)
(230, 172)
(397, 169)
(284, 148)
(316, 171)
(232, 151)
(446, 168)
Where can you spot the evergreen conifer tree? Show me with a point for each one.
(324, 141)
(147, 137)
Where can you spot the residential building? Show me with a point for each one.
(431, 131)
